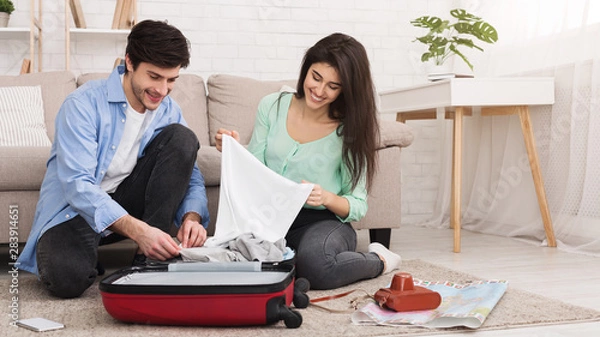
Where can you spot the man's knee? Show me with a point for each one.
(68, 281)
(66, 257)
(183, 137)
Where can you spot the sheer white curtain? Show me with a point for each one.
(560, 39)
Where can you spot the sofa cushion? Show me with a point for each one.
(22, 117)
(189, 92)
(56, 85)
(209, 163)
(83, 78)
(233, 100)
(22, 168)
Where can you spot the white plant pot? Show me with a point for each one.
(445, 68)
(441, 69)
(4, 19)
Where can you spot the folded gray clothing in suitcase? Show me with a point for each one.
(245, 247)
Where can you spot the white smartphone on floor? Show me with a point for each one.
(39, 324)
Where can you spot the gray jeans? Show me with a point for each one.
(68, 253)
(326, 251)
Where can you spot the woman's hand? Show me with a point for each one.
(333, 202)
(318, 196)
(219, 137)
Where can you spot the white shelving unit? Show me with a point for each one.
(72, 33)
(99, 32)
(14, 33)
(33, 33)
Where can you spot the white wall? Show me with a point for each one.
(263, 39)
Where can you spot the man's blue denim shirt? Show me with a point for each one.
(89, 126)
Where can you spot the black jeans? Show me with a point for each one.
(68, 253)
(326, 251)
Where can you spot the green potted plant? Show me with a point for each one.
(444, 38)
(6, 8)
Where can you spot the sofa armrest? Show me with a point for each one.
(392, 133)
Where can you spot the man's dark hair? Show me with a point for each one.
(159, 44)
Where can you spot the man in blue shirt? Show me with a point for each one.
(122, 165)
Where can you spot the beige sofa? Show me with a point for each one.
(230, 103)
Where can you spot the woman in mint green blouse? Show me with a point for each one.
(325, 134)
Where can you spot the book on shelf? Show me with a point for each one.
(443, 76)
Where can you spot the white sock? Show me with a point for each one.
(390, 259)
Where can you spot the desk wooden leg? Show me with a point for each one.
(537, 175)
(455, 202)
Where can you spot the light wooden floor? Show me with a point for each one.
(572, 278)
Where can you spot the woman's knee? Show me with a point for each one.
(318, 251)
(316, 268)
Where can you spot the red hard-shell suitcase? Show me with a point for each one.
(209, 294)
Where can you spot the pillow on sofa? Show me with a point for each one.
(56, 85)
(22, 117)
(233, 100)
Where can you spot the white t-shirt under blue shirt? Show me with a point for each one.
(125, 157)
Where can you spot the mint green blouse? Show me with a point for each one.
(319, 161)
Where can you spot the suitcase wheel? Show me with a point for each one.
(291, 318)
(301, 286)
(277, 311)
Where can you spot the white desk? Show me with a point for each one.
(495, 96)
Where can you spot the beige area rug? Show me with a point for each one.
(85, 316)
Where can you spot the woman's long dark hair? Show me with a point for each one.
(355, 107)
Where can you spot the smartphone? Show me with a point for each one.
(39, 324)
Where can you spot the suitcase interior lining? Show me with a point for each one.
(202, 278)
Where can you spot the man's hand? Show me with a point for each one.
(191, 233)
(157, 245)
(153, 242)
